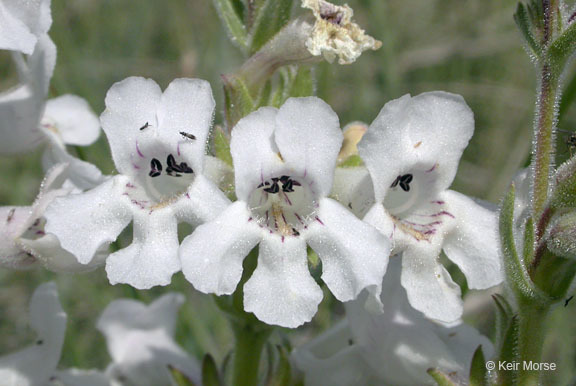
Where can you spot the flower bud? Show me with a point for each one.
(561, 238)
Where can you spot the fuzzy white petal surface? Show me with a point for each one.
(254, 151)
(212, 256)
(329, 359)
(430, 288)
(202, 202)
(187, 105)
(474, 243)
(12, 221)
(22, 22)
(35, 364)
(281, 290)
(309, 138)
(429, 131)
(353, 189)
(130, 104)
(152, 257)
(74, 119)
(84, 222)
(354, 254)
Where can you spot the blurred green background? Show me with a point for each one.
(469, 47)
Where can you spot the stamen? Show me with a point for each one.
(145, 126)
(156, 167)
(10, 215)
(187, 135)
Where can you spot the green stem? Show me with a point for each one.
(249, 345)
(543, 151)
(532, 318)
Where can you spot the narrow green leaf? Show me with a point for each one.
(516, 272)
(564, 193)
(441, 378)
(509, 353)
(210, 373)
(271, 16)
(478, 369)
(222, 145)
(562, 48)
(237, 98)
(504, 315)
(303, 83)
(232, 20)
(568, 96)
(523, 22)
(179, 378)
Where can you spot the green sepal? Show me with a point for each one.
(478, 369)
(441, 378)
(562, 48)
(564, 193)
(504, 315)
(221, 143)
(271, 16)
(302, 83)
(516, 271)
(210, 374)
(524, 23)
(238, 100)
(352, 162)
(179, 378)
(509, 352)
(230, 15)
(528, 250)
(554, 275)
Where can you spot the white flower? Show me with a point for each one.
(161, 182)
(35, 364)
(284, 161)
(412, 151)
(140, 342)
(24, 242)
(335, 35)
(28, 120)
(22, 23)
(394, 348)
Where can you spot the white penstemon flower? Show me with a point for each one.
(157, 142)
(28, 120)
(335, 35)
(22, 23)
(24, 242)
(141, 342)
(393, 348)
(35, 364)
(284, 161)
(412, 151)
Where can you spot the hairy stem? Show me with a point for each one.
(247, 353)
(532, 318)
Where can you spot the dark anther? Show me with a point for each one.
(156, 168)
(568, 301)
(287, 186)
(10, 215)
(187, 135)
(178, 168)
(39, 342)
(145, 126)
(295, 232)
(273, 189)
(404, 182)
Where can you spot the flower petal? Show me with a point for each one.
(329, 359)
(130, 105)
(35, 364)
(152, 258)
(84, 222)
(21, 22)
(12, 221)
(203, 202)
(187, 105)
(309, 138)
(78, 377)
(353, 189)
(429, 131)
(123, 315)
(429, 286)
(354, 254)
(474, 245)
(281, 290)
(74, 120)
(212, 256)
(253, 150)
